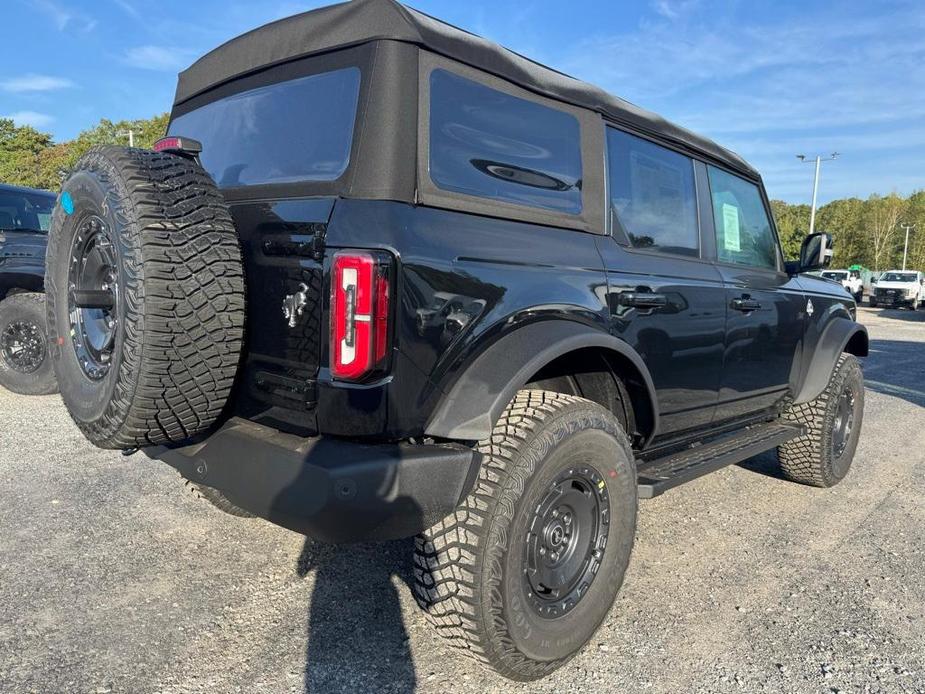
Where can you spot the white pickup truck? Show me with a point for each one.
(899, 288)
(849, 279)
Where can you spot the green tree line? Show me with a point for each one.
(29, 157)
(867, 232)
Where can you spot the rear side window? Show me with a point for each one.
(743, 230)
(300, 130)
(490, 144)
(653, 197)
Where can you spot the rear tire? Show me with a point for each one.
(25, 366)
(508, 578)
(150, 232)
(833, 420)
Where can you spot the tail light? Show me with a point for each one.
(360, 302)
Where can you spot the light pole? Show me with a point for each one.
(908, 228)
(131, 136)
(818, 160)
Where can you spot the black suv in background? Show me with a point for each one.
(25, 215)
(385, 278)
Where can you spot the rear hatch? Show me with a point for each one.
(279, 151)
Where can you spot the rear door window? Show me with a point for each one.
(298, 130)
(653, 197)
(743, 228)
(491, 144)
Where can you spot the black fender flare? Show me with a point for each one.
(841, 335)
(471, 407)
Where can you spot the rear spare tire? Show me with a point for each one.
(145, 297)
(24, 364)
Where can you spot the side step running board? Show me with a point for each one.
(658, 476)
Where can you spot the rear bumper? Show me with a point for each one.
(329, 489)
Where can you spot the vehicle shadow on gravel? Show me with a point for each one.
(357, 639)
(897, 368)
(902, 314)
(765, 464)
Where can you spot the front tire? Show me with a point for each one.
(823, 456)
(25, 366)
(525, 571)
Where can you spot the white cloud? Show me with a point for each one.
(128, 8)
(33, 118)
(162, 58)
(771, 84)
(673, 9)
(64, 17)
(35, 83)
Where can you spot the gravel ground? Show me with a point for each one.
(113, 579)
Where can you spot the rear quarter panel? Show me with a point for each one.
(465, 281)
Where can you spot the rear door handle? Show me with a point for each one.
(643, 299)
(745, 304)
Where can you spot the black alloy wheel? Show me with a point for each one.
(566, 541)
(844, 421)
(23, 346)
(25, 365)
(93, 297)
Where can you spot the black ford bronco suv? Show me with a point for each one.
(385, 278)
(25, 215)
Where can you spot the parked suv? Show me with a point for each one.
(898, 288)
(386, 278)
(25, 215)
(849, 279)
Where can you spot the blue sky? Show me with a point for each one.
(766, 79)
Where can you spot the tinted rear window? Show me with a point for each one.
(300, 130)
(491, 144)
(24, 211)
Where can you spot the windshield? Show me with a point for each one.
(898, 277)
(837, 276)
(299, 130)
(25, 211)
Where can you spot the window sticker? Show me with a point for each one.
(731, 240)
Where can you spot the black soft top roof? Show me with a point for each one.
(362, 21)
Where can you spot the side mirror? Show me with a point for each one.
(816, 252)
